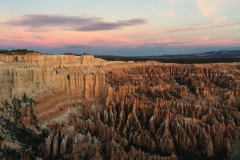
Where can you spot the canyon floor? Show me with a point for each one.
(81, 107)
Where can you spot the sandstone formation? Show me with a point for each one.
(81, 107)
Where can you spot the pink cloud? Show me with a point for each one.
(202, 27)
(216, 42)
(205, 38)
(17, 36)
(208, 7)
(220, 19)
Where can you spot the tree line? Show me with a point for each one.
(17, 51)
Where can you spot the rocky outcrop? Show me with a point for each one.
(35, 74)
(53, 60)
(95, 109)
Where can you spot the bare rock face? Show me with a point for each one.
(81, 107)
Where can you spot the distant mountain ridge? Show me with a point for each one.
(211, 54)
(221, 56)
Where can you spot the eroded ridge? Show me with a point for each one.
(80, 107)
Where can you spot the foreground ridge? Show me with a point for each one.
(81, 107)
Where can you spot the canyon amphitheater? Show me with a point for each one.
(81, 107)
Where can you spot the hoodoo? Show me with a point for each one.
(81, 107)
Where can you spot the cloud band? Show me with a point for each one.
(74, 23)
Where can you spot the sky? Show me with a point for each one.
(120, 27)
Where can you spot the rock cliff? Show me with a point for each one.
(81, 107)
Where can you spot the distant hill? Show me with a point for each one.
(221, 56)
(212, 54)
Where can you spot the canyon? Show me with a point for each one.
(82, 107)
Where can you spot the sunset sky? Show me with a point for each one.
(120, 27)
